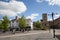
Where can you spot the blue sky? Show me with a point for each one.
(32, 8)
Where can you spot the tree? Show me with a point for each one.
(37, 24)
(34, 24)
(22, 22)
(5, 23)
(1, 26)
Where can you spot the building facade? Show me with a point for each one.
(56, 23)
(44, 20)
(14, 23)
(50, 24)
(29, 23)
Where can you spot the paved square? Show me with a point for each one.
(32, 35)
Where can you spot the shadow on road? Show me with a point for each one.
(58, 36)
(43, 38)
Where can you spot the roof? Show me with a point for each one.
(28, 20)
(14, 20)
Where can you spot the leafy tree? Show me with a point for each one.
(34, 24)
(37, 24)
(1, 26)
(5, 23)
(22, 22)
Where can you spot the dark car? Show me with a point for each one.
(28, 28)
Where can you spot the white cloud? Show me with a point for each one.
(55, 17)
(7, 13)
(12, 8)
(53, 2)
(38, 1)
(32, 16)
(50, 19)
(50, 2)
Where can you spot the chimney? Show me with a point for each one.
(16, 17)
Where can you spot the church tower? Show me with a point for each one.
(44, 18)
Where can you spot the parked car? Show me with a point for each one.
(28, 28)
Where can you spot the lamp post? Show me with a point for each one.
(53, 25)
(49, 28)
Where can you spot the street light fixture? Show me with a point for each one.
(53, 23)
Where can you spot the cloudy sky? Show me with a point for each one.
(32, 9)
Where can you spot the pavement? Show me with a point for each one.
(32, 35)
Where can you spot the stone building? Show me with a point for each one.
(56, 23)
(44, 20)
(49, 24)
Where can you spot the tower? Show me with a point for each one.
(44, 18)
(16, 17)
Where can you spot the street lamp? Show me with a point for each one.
(53, 23)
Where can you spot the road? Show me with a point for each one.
(32, 35)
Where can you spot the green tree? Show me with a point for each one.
(34, 24)
(5, 23)
(1, 26)
(37, 24)
(22, 22)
